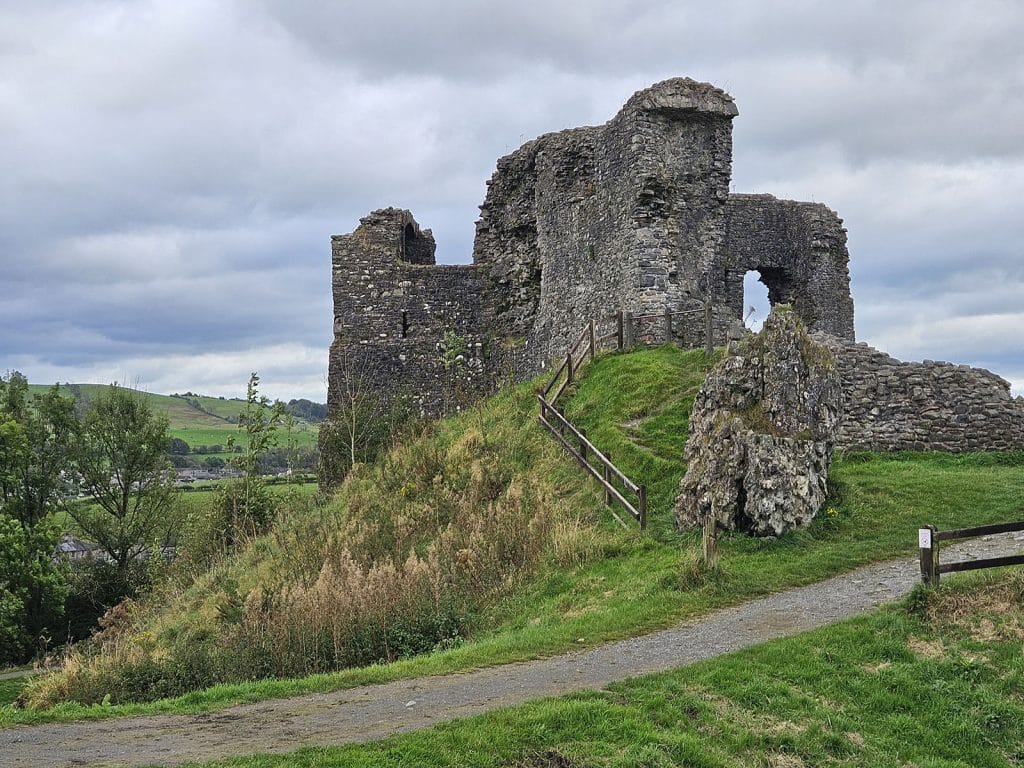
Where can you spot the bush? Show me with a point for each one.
(31, 589)
(94, 588)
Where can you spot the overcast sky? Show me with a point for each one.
(171, 171)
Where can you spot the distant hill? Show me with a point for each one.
(203, 421)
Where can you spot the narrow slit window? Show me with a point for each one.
(405, 325)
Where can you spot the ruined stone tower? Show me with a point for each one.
(634, 214)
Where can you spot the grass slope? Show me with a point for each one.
(935, 682)
(637, 406)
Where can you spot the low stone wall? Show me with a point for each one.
(928, 406)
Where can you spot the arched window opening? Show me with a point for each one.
(756, 304)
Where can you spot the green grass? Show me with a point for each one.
(637, 406)
(10, 689)
(903, 686)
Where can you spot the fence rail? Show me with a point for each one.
(605, 472)
(928, 542)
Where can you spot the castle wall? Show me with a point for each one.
(393, 310)
(634, 215)
(928, 406)
(799, 249)
(628, 215)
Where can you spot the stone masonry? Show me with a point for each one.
(634, 214)
(929, 406)
(394, 308)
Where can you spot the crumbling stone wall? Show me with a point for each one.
(393, 308)
(928, 406)
(636, 214)
(799, 251)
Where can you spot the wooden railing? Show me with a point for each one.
(599, 465)
(618, 487)
(929, 538)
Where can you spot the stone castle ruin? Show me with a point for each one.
(633, 215)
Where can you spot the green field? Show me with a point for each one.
(200, 420)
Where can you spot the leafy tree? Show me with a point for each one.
(34, 435)
(119, 454)
(33, 460)
(308, 410)
(31, 587)
(177, 446)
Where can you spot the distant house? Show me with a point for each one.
(73, 548)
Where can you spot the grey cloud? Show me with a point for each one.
(173, 170)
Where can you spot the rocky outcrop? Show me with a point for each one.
(762, 432)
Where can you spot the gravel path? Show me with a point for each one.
(376, 711)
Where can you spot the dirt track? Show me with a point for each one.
(372, 712)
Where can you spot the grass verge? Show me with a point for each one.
(933, 682)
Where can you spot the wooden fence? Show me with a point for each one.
(618, 487)
(929, 538)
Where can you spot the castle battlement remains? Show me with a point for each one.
(634, 214)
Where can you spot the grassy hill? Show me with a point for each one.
(196, 419)
(480, 542)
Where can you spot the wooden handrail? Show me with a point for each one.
(980, 530)
(607, 469)
(623, 334)
(591, 448)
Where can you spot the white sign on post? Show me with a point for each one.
(924, 538)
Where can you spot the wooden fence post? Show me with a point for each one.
(618, 330)
(709, 542)
(568, 368)
(608, 481)
(929, 544)
(627, 330)
(668, 325)
(709, 347)
(593, 340)
(642, 507)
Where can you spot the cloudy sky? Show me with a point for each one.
(171, 171)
